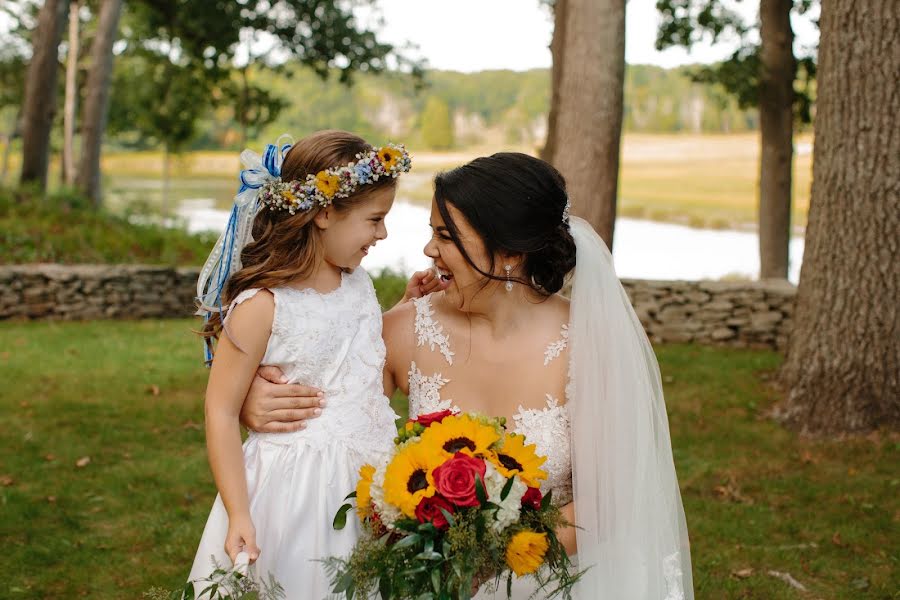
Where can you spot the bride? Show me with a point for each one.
(577, 377)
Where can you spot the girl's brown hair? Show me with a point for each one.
(288, 247)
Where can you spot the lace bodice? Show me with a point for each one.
(333, 342)
(548, 428)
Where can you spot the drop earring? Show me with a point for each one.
(509, 283)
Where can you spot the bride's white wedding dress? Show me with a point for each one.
(548, 428)
(297, 481)
(608, 447)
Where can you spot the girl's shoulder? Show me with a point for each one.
(252, 308)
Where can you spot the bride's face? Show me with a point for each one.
(464, 280)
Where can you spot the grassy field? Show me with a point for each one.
(699, 180)
(104, 485)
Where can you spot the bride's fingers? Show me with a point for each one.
(289, 415)
(280, 427)
(295, 390)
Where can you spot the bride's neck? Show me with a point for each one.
(503, 312)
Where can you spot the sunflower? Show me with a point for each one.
(363, 491)
(525, 552)
(460, 433)
(515, 458)
(409, 478)
(388, 157)
(328, 184)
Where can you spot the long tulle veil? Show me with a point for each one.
(632, 535)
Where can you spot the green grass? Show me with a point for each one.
(128, 395)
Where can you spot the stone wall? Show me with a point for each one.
(745, 314)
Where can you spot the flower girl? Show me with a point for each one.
(283, 287)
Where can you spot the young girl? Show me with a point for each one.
(295, 297)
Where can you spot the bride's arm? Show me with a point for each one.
(398, 332)
(566, 534)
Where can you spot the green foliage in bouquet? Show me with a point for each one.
(457, 505)
(222, 584)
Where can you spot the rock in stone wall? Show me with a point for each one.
(746, 314)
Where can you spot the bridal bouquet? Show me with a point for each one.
(455, 504)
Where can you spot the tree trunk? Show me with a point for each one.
(556, 51)
(165, 184)
(71, 98)
(585, 131)
(776, 119)
(96, 100)
(40, 93)
(842, 370)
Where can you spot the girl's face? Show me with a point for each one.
(464, 280)
(348, 235)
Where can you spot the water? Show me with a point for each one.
(643, 249)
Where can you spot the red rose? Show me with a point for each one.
(435, 417)
(429, 511)
(532, 498)
(455, 479)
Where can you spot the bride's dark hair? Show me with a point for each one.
(515, 202)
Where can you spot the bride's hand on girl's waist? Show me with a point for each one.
(274, 406)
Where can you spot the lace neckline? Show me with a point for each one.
(345, 276)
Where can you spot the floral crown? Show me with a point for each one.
(339, 182)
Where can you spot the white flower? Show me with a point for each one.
(509, 509)
(388, 513)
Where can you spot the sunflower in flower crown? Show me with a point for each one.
(328, 184)
(460, 433)
(515, 458)
(408, 477)
(388, 157)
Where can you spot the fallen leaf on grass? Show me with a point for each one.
(153, 389)
(788, 579)
(6, 480)
(51, 499)
(83, 461)
(191, 425)
(836, 539)
(49, 457)
(731, 493)
(24, 404)
(742, 573)
(860, 584)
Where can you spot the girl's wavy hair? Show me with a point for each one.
(288, 247)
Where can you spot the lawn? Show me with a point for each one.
(105, 487)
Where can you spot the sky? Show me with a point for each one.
(472, 35)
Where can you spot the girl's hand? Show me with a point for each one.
(421, 284)
(241, 538)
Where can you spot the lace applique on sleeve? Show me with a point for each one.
(429, 331)
(556, 348)
(425, 392)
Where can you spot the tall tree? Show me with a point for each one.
(40, 92)
(70, 104)
(585, 123)
(776, 123)
(96, 99)
(842, 371)
(760, 75)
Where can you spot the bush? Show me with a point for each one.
(64, 227)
